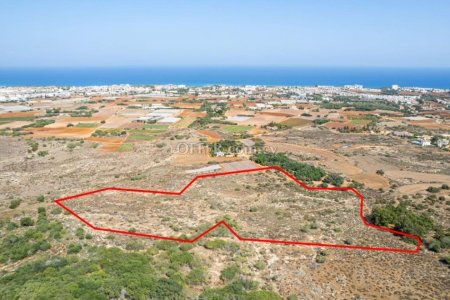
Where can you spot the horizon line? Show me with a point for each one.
(220, 66)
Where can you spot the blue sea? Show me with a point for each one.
(198, 76)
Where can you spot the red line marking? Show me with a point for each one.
(226, 225)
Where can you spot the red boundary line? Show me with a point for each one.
(226, 225)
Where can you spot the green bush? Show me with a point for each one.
(434, 245)
(260, 265)
(301, 171)
(320, 121)
(79, 232)
(26, 221)
(229, 273)
(74, 248)
(196, 277)
(133, 245)
(40, 198)
(215, 244)
(334, 179)
(432, 189)
(402, 218)
(11, 226)
(446, 260)
(15, 203)
(42, 153)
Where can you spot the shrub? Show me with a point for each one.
(432, 189)
(445, 187)
(42, 153)
(15, 203)
(215, 244)
(74, 248)
(334, 179)
(134, 246)
(26, 221)
(80, 233)
(229, 273)
(11, 226)
(434, 245)
(178, 259)
(402, 218)
(320, 259)
(380, 172)
(446, 260)
(56, 211)
(40, 198)
(260, 265)
(196, 277)
(348, 241)
(301, 171)
(320, 121)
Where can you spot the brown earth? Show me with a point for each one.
(211, 135)
(19, 114)
(64, 132)
(15, 124)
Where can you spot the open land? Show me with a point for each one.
(63, 147)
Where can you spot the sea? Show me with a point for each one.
(201, 76)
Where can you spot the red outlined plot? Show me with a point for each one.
(224, 223)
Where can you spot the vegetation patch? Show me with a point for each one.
(108, 132)
(156, 128)
(125, 147)
(277, 126)
(296, 122)
(301, 171)
(225, 147)
(86, 125)
(402, 219)
(237, 128)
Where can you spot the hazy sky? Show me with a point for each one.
(407, 33)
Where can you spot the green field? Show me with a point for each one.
(296, 122)
(125, 147)
(362, 120)
(9, 120)
(156, 126)
(141, 137)
(237, 128)
(86, 125)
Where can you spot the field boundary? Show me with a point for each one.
(226, 225)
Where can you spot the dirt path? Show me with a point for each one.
(419, 177)
(415, 188)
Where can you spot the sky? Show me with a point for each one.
(330, 33)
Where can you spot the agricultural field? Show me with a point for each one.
(237, 128)
(296, 122)
(87, 125)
